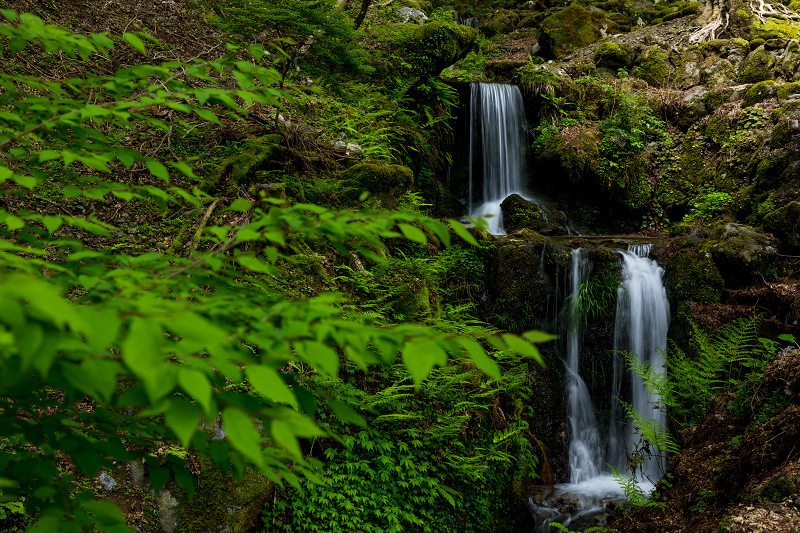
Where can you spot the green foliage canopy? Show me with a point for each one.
(103, 356)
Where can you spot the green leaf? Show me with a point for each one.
(412, 233)
(462, 232)
(480, 357)
(158, 170)
(243, 435)
(268, 383)
(421, 357)
(522, 347)
(241, 205)
(539, 336)
(196, 385)
(322, 357)
(345, 413)
(183, 419)
(281, 431)
(134, 41)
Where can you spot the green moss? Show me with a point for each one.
(784, 132)
(755, 43)
(221, 502)
(613, 56)
(573, 27)
(715, 98)
(576, 152)
(437, 45)
(387, 183)
(788, 89)
(739, 252)
(759, 92)
(784, 223)
(794, 5)
(769, 170)
(757, 66)
(692, 275)
(240, 169)
(775, 29)
(651, 66)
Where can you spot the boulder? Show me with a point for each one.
(386, 183)
(740, 252)
(573, 27)
(410, 14)
(435, 46)
(784, 223)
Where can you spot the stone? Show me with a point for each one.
(536, 49)
(167, 511)
(740, 252)
(340, 147)
(409, 14)
(386, 183)
(354, 149)
(109, 483)
(138, 474)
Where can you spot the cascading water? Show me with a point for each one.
(640, 328)
(585, 461)
(641, 331)
(498, 113)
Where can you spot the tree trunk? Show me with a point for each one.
(362, 13)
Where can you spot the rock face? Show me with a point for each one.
(740, 252)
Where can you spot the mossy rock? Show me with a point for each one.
(519, 213)
(436, 45)
(222, 504)
(759, 92)
(784, 223)
(575, 152)
(573, 27)
(769, 170)
(653, 67)
(755, 43)
(785, 132)
(423, 5)
(788, 89)
(715, 98)
(692, 275)
(775, 29)
(387, 183)
(740, 252)
(779, 489)
(501, 23)
(241, 169)
(613, 56)
(757, 66)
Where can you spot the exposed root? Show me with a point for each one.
(712, 30)
(762, 9)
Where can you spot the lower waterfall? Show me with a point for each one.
(642, 319)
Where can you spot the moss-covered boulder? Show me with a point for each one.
(436, 45)
(519, 213)
(740, 252)
(757, 66)
(386, 183)
(573, 27)
(572, 155)
(652, 66)
(759, 92)
(784, 223)
(692, 275)
(613, 56)
(774, 28)
(241, 169)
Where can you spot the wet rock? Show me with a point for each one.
(354, 150)
(573, 27)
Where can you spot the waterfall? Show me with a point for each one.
(641, 330)
(585, 458)
(497, 116)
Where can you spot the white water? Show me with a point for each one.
(498, 113)
(585, 454)
(641, 330)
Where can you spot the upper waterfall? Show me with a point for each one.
(497, 117)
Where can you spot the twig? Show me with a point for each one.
(196, 239)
